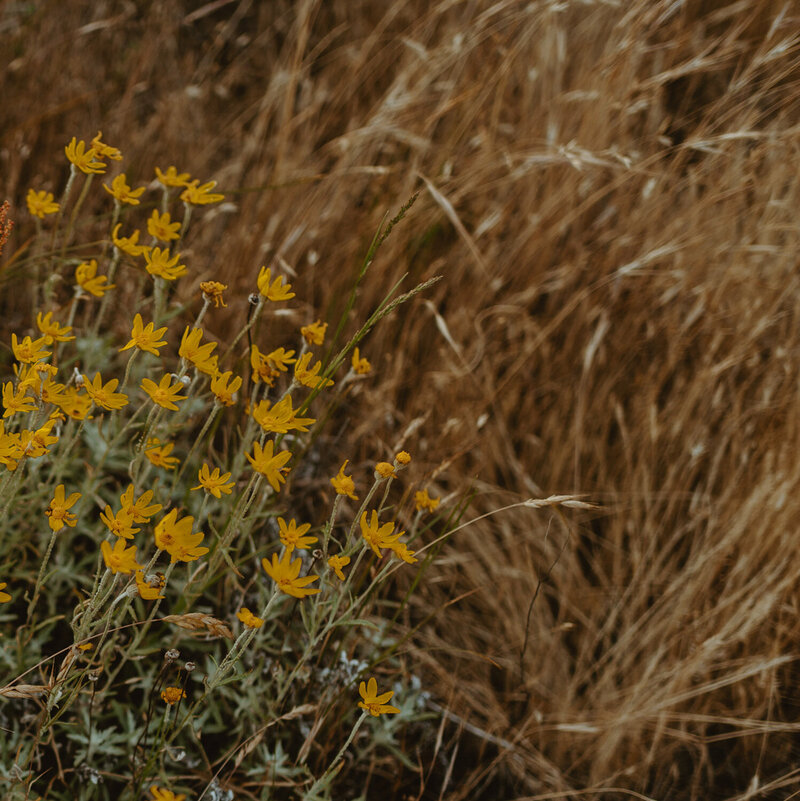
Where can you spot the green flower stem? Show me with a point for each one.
(75, 211)
(203, 431)
(243, 504)
(332, 768)
(40, 577)
(73, 172)
(329, 526)
(134, 353)
(160, 299)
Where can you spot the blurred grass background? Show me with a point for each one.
(610, 192)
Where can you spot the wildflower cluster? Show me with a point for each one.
(138, 444)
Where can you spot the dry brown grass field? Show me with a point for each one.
(610, 193)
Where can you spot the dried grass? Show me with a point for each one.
(610, 191)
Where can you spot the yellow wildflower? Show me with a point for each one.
(119, 523)
(87, 279)
(145, 337)
(224, 387)
(403, 457)
(384, 470)
(29, 350)
(175, 537)
(280, 359)
(280, 417)
(161, 227)
(262, 369)
(249, 619)
(273, 290)
(199, 355)
(51, 392)
(122, 192)
(172, 177)
(53, 331)
(37, 443)
(337, 562)
(372, 702)
(309, 376)
(360, 365)
(423, 501)
(41, 203)
(378, 536)
(159, 455)
(314, 333)
(200, 195)
(75, 404)
(82, 158)
(120, 559)
(212, 291)
(4, 596)
(165, 795)
(268, 465)
(104, 395)
(14, 402)
(158, 262)
(285, 574)
(128, 244)
(105, 151)
(139, 508)
(401, 551)
(165, 393)
(344, 485)
(57, 512)
(293, 537)
(10, 448)
(171, 695)
(149, 591)
(213, 482)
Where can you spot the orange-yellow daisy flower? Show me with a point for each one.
(286, 574)
(158, 262)
(314, 333)
(273, 290)
(120, 559)
(120, 191)
(146, 337)
(372, 702)
(213, 482)
(27, 350)
(161, 227)
(103, 394)
(377, 536)
(57, 512)
(293, 536)
(249, 619)
(176, 538)
(41, 203)
(172, 177)
(82, 158)
(164, 393)
(268, 465)
(159, 455)
(201, 195)
(344, 485)
(86, 278)
(52, 330)
(337, 562)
